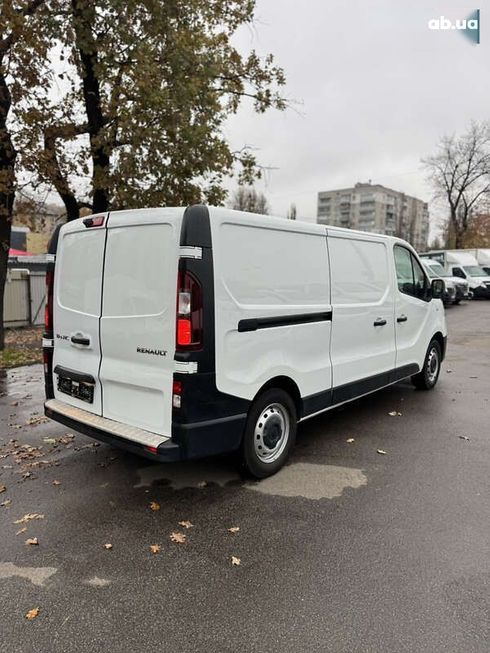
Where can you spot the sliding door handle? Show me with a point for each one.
(379, 322)
(402, 318)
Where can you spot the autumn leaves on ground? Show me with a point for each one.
(26, 463)
(22, 347)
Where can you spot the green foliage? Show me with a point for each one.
(132, 110)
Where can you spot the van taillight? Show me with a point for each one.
(177, 394)
(48, 311)
(189, 311)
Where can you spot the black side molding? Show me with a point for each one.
(80, 377)
(339, 394)
(252, 324)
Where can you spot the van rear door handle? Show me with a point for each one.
(79, 340)
(402, 318)
(379, 322)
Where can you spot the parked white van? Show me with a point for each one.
(461, 263)
(180, 333)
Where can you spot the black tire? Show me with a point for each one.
(271, 437)
(426, 379)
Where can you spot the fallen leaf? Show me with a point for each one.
(66, 439)
(155, 548)
(38, 419)
(186, 524)
(108, 546)
(32, 540)
(14, 403)
(234, 529)
(350, 440)
(28, 517)
(32, 614)
(154, 506)
(50, 440)
(5, 503)
(381, 451)
(22, 530)
(56, 482)
(178, 537)
(235, 561)
(395, 413)
(202, 484)
(448, 371)
(463, 437)
(3, 488)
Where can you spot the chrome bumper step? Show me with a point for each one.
(131, 433)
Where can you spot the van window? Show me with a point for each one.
(80, 274)
(359, 271)
(409, 273)
(137, 269)
(259, 266)
(458, 272)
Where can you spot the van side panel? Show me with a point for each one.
(363, 326)
(272, 316)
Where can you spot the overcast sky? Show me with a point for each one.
(376, 87)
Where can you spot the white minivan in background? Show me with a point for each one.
(180, 333)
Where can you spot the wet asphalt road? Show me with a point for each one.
(346, 550)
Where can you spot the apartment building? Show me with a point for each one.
(372, 207)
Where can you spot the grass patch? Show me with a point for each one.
(15, 357)
(22, 347)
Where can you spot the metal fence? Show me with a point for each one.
(25, 297)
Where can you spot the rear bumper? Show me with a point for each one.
(195, 440)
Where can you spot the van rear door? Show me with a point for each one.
(137, 326)
(77, 306)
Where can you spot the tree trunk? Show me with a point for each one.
(7, 191)
(84, 15)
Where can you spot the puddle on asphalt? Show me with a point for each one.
(310, 481)
(21, 380)
(307, 480)
(37, 575)
(185, 475)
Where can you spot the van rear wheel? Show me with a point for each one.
(270, 433)
(427, 377)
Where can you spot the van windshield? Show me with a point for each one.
(474, 271)
(436, 270)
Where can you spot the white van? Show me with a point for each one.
(456, 288)
(180, 333)
(462, 264)
(483, 258)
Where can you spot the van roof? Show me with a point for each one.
(302, 225)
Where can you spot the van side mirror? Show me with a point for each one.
(437, 288)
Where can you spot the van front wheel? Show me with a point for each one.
(270, 433)
(427, 377)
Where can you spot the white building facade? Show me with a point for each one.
(375, 208)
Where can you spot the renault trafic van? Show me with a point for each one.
(180, 333)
